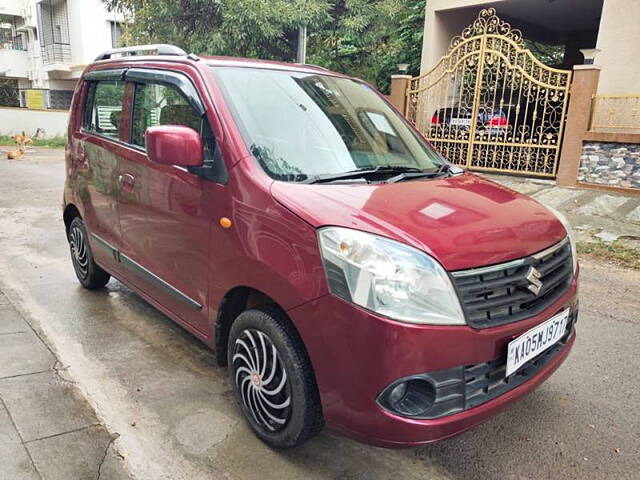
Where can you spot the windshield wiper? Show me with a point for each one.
(361, 173)
(444, 169)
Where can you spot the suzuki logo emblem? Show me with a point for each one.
(533, 276)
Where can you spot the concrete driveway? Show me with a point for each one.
(159, 391)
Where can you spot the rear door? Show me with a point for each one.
(165, 216)
(99, 146)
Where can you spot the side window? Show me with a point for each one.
(156, 104)
(104, 108)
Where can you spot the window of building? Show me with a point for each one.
(6, 33)
(104, 108)
(9, 92)
(156, 104)
(10, 39)
(53, 25)
(117, 31)
(60, 99)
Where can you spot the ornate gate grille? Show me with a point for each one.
(489, 104)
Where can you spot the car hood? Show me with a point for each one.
(463, 221)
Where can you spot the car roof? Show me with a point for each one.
(220, 61)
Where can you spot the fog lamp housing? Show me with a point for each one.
(413, 397)
(425, 396)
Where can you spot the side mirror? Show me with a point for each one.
(174, 145)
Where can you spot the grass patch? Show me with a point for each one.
(39, 142)
(612, 252)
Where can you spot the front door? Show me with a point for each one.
(165, 218)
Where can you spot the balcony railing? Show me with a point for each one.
(9, 41)
(56, 53)
(53, 32)
(616, 113)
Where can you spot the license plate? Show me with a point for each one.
(535, 341)
(465, 122)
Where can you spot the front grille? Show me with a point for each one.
(500, 294)
(486, 381)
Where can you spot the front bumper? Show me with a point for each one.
(356, 355)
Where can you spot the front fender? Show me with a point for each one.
(271, 250)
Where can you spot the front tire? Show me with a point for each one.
(89, 273)
(273, 380)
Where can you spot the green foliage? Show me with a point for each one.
(615, 252)
(364, 38)
(552, 55)
(369, 39)
(109, 93)
(39, 142)
(247, 28)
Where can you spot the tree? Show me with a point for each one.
(552, 55)
(248, 28)
(364, 38)
(369, 39)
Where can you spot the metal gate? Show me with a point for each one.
(489, 104)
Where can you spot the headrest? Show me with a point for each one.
(114, 118)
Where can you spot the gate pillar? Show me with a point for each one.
(398, 96)
(583, 88)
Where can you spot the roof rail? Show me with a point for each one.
(159, 49)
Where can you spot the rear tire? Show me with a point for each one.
(89, 273)
(273, 381)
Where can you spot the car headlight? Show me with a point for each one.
(388, 277)
(567, 226)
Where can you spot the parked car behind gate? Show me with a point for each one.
(493, 122)
(292, 220)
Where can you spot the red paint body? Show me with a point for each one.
(166, 219)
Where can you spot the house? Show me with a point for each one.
(44, 47)
(543, 88)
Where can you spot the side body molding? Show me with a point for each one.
(144, 273)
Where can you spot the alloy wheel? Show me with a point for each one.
(261, 380)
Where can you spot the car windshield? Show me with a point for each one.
(305, 125)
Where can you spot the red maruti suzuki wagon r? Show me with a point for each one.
(294, 221)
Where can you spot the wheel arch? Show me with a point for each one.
(70, 212)
(234, 302)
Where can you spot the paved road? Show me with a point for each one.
(160, 390)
